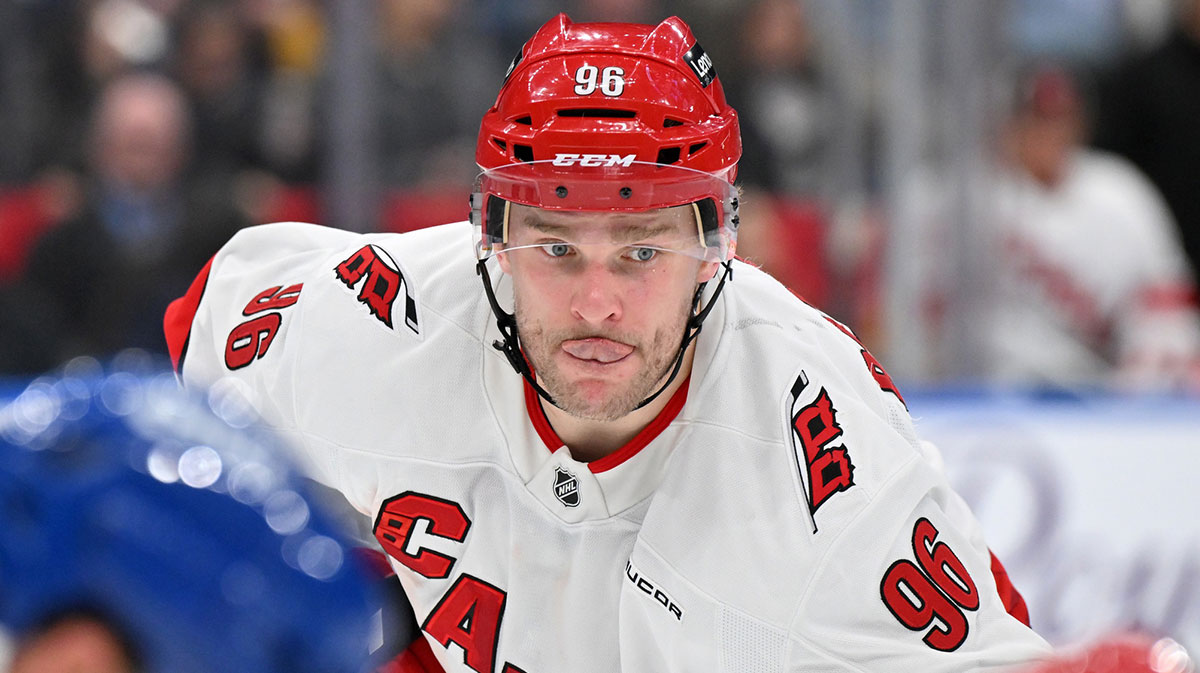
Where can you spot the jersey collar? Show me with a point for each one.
(537, 416)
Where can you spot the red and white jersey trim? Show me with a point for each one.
(537, 416)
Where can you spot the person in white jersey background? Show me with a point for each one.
(1095, 287)
(627, 450)
(1091, 285)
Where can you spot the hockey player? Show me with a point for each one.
(613, 456)
(142, 532)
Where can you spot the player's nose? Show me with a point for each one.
(595, 298)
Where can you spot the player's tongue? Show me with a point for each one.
(598, 349)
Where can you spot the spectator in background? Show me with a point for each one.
(87, 45)
(216, 63)
(1091, 285)
(294, 33)
(786, 114)
(1148, 111)
(433, 83)
(99, 281)
(251, 109)
(785, 127)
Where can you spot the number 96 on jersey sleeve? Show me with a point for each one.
(931, 592)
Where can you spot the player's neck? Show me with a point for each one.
(591, 440)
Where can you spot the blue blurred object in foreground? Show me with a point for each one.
(177, 519)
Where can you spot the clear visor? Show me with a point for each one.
(669, 208)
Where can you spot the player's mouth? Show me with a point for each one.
(597, 349)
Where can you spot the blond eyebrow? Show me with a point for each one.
(636, 232)
(533, 222)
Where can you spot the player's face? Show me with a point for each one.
(602, 301)
(75, 645)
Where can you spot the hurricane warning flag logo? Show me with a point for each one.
(566, 487)
(819, 445)
(381, 281)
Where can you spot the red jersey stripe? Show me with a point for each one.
(1014, 603)
(177, 322)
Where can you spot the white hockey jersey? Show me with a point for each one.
(779, 515)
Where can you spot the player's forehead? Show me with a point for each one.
(669, 223)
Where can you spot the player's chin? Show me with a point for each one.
(596, 401)
(597, 386)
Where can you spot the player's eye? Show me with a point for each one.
(557, 249)
(642, 254)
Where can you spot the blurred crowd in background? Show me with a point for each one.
(987, 191)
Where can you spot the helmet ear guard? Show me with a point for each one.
(707, 218)
(496, 222)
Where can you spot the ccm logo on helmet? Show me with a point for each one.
(568, 159)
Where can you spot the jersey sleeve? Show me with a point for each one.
(237, 327)
(905, 580)
(917, 596)
(908, 583)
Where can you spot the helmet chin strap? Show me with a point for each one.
(510, 345)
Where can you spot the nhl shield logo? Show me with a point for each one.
(566, 487)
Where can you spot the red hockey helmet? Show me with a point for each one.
(610, 117)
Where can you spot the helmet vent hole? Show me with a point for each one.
(696, 147)
(598, 113)
(668, 123)
(526, 120)
(668, 155)
(522, 152)
(500, 143)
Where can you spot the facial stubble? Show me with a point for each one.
(540, 345)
